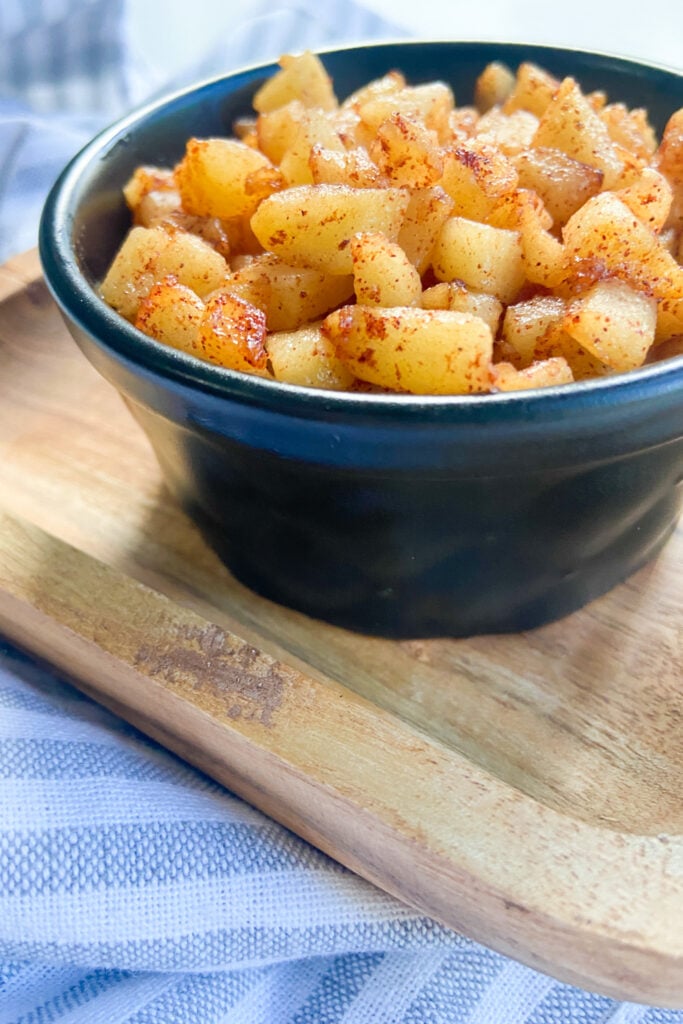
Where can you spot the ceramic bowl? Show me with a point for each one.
(390, 515)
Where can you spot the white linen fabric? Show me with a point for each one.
(133, 889)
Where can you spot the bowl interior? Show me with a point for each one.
(157, 134)
(86, 218)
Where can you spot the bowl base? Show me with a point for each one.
(432, 607)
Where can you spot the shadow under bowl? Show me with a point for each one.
(393, 515)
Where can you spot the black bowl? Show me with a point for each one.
(393, 515)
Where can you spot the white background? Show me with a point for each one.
(648, 29)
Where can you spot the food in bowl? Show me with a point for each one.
(398, 242)
(394, 514)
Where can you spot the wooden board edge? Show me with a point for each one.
(257, 757)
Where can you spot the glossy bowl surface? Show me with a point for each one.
(394, 515)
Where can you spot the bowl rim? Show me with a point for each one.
(81, 302)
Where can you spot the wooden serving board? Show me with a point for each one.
(525, 790)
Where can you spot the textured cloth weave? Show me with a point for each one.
(133, 889)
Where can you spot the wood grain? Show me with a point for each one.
(525, 790)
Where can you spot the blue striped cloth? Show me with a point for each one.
(133, 889)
